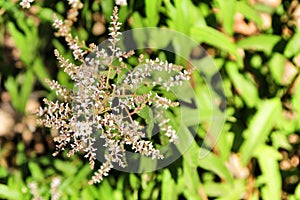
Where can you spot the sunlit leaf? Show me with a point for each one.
(248, 12)
(168, 190)
(268, 161)
(243, 85)
(9, 193)
(259, 128)
(262, 42)
(293, 46)
(217, 39)
(227, 12)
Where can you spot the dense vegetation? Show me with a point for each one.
(255, 46)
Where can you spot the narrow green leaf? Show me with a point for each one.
(82, 174)
(277, 63)
(225, 141)
(168, 190)
(293, 45)
(268, 161)
(225, 191)
(215, 164)
(105, 191)
(26, 88)
(147, 189)
(192, 182)
(107, 7)
(297, 191)
(21, 157)
(152, 12)
(11, 86)
(8, 193)
(27, 42)
(182, 18)
(217, 39)
(146, 113)
(245, 87)
(36, 171)
(280, 140)
(67, 168)
(41, 72)
(3, 172)
(262, 42)
(260, 127)
(227, 12)
(214, 189)
(134, 181)
(46, 14)
(249, 12)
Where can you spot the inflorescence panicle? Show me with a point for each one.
(99, 107)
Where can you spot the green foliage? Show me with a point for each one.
(260, 72)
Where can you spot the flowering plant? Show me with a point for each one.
(107, 101)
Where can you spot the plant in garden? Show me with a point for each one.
(255, 47)
(106, 101)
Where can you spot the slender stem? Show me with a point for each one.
(108, 75)
(113, 48)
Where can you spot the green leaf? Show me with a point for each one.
(225, 191)
(134, 182)
(105, 191)
(9, 193)
(260, 127)
(36, 171)
(137, 20)
(147, 187)
(249, 12)
(152, 12)
(243, 85)
(297, 191)
(227, 12)
(21, 157)
(217, 39)
(3, 172)
(279, 140)
(192, 182)
(147, 114)
(168, 188)
(277, 64)
(20, 98)
(225, 141)
(26, 41)
(215, 164)
(64, 79)
(46, 14)
(262, 42)
(27, 88)
(82, 174)
(293, 45)
(214, 189)
(11, 86)
(107, 7)
(268, 161)
(180, 18)
(67, 168)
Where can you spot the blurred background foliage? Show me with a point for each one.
(254, 43)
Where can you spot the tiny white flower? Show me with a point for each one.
(26, 3)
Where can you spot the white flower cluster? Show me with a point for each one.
(109, 110)
(26, 3)
(149, 66)
(121, 2)
(75, 3)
